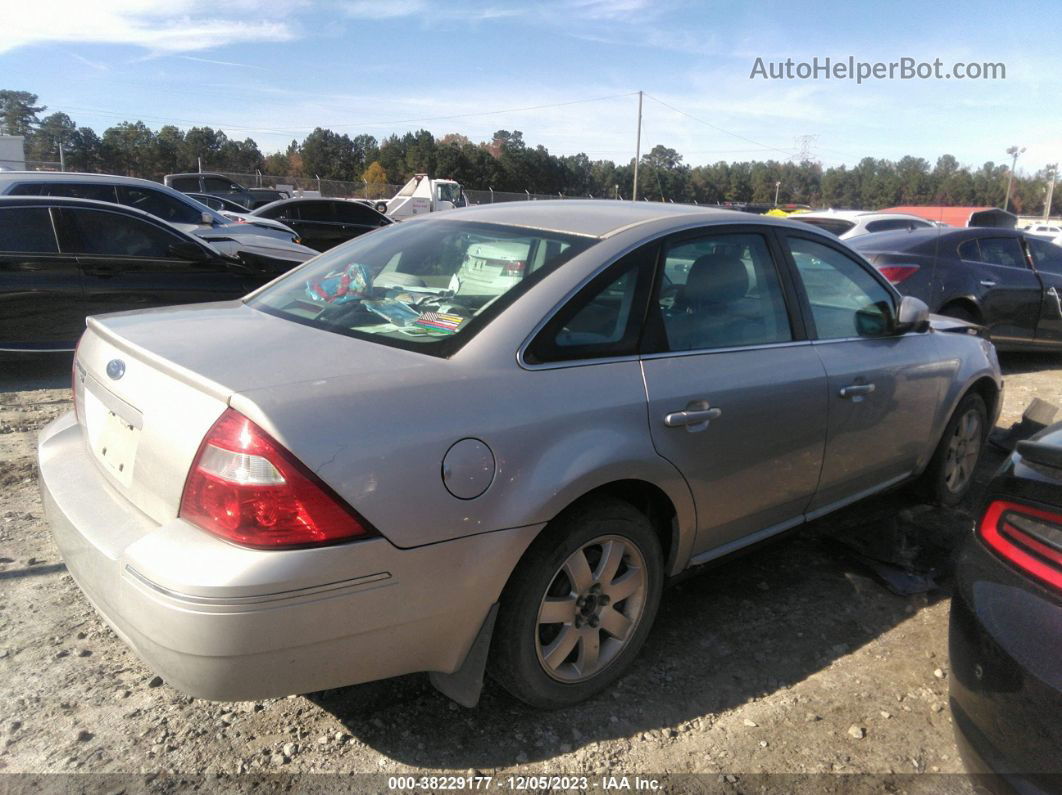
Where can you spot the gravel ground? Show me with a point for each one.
(792, 659)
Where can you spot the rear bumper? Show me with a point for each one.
(1006, 682)
(223, 622)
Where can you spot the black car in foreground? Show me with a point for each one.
(63, 259)
(324, 223)
(1003, 279)
(1005, 637)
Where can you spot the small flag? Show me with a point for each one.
(439, 321)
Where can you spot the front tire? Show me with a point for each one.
(578, 609)
(949, 476)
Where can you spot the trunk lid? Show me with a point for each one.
(150, 384)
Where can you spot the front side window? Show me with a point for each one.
(427, 286)
(355, 213)
(846, 301)
(27, 230)
(722, 291)
(219, 185)
(1002, 251)
(101, 233)
(161, 205)
(1046, 256)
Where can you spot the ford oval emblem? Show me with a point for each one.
(115, 368)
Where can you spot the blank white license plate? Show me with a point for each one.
(113, 440)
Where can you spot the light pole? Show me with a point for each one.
(637, 149)
(1013, 151)
(777, 185)
(1052, 175)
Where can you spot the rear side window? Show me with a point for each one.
(889, 224)
(287, 211)
(970, 251)
(185, 184)
(1002, 251)
(27, 230)
(604, 319)
(101, 233)
(722, 291)
(159, 204)
(837, 226)
(317, 211)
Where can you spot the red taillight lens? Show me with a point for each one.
(245, 487)
(1029, 538)
(897, 273)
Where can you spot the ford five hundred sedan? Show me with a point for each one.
(482, 440)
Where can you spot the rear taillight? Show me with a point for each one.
(1029, 538)
(245, 487)
(897, 273)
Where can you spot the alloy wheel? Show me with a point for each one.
(964, 447)
(591, 609)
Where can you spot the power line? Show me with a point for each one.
(720, 129)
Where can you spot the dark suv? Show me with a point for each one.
(223, 187)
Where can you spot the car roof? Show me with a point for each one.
(908, 239)
(70, 176)
(308, 200)
(599, 217)
(857, 215)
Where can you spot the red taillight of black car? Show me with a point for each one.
(897, 274)
(245, 487)
(1027, 537)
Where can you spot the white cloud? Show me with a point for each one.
(160, 26)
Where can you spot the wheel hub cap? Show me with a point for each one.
(590, 609)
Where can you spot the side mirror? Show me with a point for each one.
(912, 315)
(206, 219)
(186, 249)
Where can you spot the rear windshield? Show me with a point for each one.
(421, 286)
(837, 226)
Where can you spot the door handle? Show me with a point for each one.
(856, 392)
(988, 283)
(695, 417)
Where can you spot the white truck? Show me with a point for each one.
(423, 195)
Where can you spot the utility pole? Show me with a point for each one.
(637, 148)
(777, 185)
(199, 160)
(1052, 175)
(1013, 151)
(62, 158)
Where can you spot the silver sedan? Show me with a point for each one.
(481, 441)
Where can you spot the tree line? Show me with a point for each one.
(508, 163)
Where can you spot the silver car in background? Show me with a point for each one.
(483, 440)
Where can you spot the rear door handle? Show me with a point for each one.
(695, 417)
(988, 283)
(856, 392)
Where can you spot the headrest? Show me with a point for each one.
(716, 278)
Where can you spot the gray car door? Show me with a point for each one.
(883, 389)
(736, 393)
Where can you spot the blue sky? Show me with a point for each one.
(275, 70)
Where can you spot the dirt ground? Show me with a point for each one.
(794, 659)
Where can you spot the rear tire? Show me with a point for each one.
(598, 571)
(948, 477)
